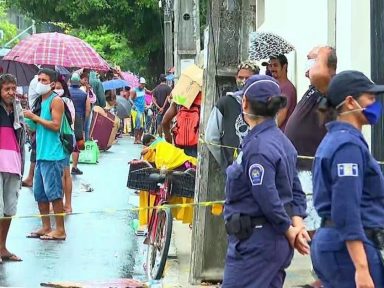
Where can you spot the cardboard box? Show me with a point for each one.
(188, 86)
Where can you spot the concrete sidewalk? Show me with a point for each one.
(176, 273)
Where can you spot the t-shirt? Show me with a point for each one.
(79, 99)
(48, 143)
(160, 93)
(139, 100)
(304, 128)
(289, 91)
(10, 154)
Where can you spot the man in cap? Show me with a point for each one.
(138, 98)
(278, 66)
(226, 125)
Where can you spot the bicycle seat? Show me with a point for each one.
(159, 178)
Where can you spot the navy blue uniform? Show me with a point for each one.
(348, 189)
(262, 182)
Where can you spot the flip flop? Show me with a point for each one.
(34, 235)
(51, 238)
(11, 258)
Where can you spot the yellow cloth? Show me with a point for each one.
(169, 157)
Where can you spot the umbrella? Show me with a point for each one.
(131, 78)
(263, 45)
(57, 49)
(24, 73)
(123, 107)
(114, 84)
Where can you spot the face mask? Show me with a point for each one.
(59, 92)
(372, 112)
(240, 84)
(310, 63)
(42, 89)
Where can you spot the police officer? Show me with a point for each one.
(349, 189)
(264, 199)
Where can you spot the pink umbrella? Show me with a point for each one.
(57, 49)
(131, 78)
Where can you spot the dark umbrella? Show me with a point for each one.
(264, 45)
(24, 73)
(123, 107)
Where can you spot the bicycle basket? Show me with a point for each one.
(183, 185)
(138, 177)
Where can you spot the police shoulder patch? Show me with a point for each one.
(256, 174)
(348, 170)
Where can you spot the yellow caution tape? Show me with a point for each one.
(202, 141)
(216, 206)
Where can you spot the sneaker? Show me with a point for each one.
(76, 171)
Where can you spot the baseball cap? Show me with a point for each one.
(265, 63)
(142, 80)
(261, 88)
(350, 83)
(75, 79)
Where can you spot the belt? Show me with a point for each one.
(242, 225)
(374, 235)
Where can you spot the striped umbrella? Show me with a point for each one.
(57, 49)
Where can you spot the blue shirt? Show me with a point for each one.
(140, 100)
(348, 185)
(48, 143)
(263, 181)
(79, 99)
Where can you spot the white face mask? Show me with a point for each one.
(42, 89)
(310, 63)
(59, 92)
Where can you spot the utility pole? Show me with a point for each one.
(227, 45)
(377, 71)
(186, 34)
(168, 36)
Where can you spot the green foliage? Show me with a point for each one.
(138, 21)
(113, 47)
(9, 29)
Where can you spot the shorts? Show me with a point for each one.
(159, 118)
(312, 221)
(47, 182)
(9, 193)
(79, 127)
(67, 161)
(139, 120)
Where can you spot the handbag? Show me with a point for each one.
(67, 136)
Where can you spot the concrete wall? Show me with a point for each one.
(344, 24)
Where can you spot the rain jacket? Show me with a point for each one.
(226, 127)
(98, 89)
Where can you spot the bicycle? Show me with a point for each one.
(163, 184)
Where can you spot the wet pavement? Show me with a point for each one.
(99, 246)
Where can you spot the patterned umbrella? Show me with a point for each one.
(132, 79)
(24, 73)
(57, 49)
(263, 45)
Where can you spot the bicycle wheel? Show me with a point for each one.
(158, 248)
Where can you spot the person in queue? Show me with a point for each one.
(265, 204)
(349, 189)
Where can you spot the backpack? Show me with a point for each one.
(186, 130)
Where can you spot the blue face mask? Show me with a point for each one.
(373, 112)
